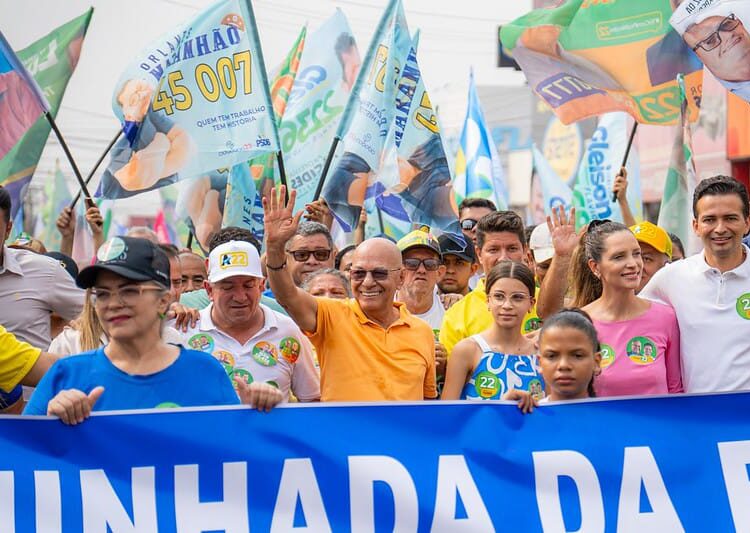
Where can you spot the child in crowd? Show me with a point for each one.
(569, 357)
(487, 365)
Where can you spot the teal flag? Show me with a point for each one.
(554, 190)
(58, 197)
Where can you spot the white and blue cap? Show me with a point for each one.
(233, 258)
(129, 257)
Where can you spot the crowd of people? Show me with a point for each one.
(502, 312)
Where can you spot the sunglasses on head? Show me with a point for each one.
(597, 222)
(430, 265)
(468, 224)
(378, 274)
(303, 255)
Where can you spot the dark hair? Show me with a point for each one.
(476, 202)
(498, 222)
(309, 228)
(577, 319)
(676, 243)
(721, 185)
(528, 230)
(586, 286)
(335, 272)
(344, 43)
(232, 233)
(341, 254)
(5, 203)
(169, 249)
(511, 269)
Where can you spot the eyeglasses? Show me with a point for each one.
(714, 39)
(468, 224)
(303, 255)
(430, 265)
(378, 274)
(127, 295)
(516, 299)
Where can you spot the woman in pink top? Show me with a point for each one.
(640, 339)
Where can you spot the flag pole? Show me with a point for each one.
(627, 153)
(96, 166)
(327, 166)
(72, 162)
(190, 241)
(282, 174)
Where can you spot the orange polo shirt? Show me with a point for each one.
(361, 361)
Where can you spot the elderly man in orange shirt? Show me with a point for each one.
(370, 348)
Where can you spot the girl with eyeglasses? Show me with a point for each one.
(489, 364)
(640, 338)
(129, 286)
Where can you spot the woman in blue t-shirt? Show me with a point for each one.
(137, 369)
(487, 365)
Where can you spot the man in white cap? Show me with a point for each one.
(250, 339)
(540, 244)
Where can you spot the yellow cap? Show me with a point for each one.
(653, 235)
(421, 239)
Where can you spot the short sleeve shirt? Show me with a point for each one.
(278, 354)
(16, 360)
(362, 361)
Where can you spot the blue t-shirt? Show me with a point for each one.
(193, 379)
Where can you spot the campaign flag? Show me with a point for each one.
(329, 67)
(479, 173)
(676, 210)
(717, 31)
(602, 157)
(17, 229)
(663, 465)
(169, 196)
(242, 206)
(585, 58)
(554, 190)
(160, 228)
(367, 118)
(51, 61)
(414, 182)
(83, 239)
(58, 198)
(195, 100)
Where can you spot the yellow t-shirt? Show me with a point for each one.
(16, 359)
(361, 361)
(470, 316)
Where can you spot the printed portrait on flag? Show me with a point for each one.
(18, 107)
(716, 30)
(193, 101)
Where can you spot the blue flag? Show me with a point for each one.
(367, 118)
(479, 173)
(554, 190)
(194, 101)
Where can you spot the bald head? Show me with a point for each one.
(377, 252)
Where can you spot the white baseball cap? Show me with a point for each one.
(541, 243)
(234, 258)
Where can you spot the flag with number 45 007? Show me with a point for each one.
(195, 100)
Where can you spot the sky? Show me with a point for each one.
(455, 36)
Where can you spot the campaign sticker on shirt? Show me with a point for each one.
(536, 389)
(608, 356)
(273, 384)
(201, 342)
(743, 306)
(290, 348)
(226, 359)
(487, 384)
(243, 374)
(265, 353)
(642, 350)
(532, 324)
(111, 250)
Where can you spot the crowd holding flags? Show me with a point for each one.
(479, 173)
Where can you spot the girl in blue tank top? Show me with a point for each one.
(489, 364)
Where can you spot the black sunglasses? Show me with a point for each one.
(378, 274)
(468, 224)
(430, 265)
(303, 255)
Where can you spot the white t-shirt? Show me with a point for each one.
(278, 353)
(713, 312)
(434, 315)
(68, 341)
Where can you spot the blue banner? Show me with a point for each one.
(675, 463)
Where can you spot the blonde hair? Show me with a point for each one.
(87, 324)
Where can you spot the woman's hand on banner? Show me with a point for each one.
(73, 406)
(526, 402)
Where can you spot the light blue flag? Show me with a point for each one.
(414, 184)
(602, 157)
(367, 119)
(58, 198)
(17, 233)
(479, 173)
(243, 207)
(328, 70)
(195, 100)
(554, 190)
